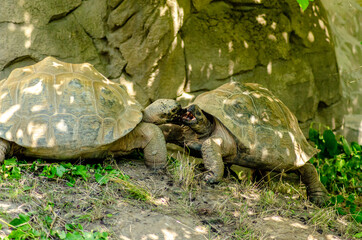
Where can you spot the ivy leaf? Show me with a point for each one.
(82, 171)
(347, 149)
(60, 170)
(303, 4)
(314, 135)
(331, 142)
(21, 220)
(73, 236)
(101, 179)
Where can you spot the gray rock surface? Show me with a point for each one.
(180, 48)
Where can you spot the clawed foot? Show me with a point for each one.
(318, 198)
(210, 178)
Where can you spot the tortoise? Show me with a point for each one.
(58, 110)
(242, 124)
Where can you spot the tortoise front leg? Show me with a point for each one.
(148, 137)
(4, 148)
(316, 192)
(212, 157)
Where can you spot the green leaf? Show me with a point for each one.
(313, 135)
(358, 235)
(61, 235)
(18, 234)
(101, 179)
(303, 4)
(73, 236)
(341, 211)
(21, 220)
(340, 164)
(331, 142)
(16, 173)
(347, 149)
(60, 170)
(340, 199)
(88, 236)
(82, 171)
(69, 227)
(358, 217)
(356, 147)
(10, 162)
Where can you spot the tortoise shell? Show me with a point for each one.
(261, 123)
(53, 104)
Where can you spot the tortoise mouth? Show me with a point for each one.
(188, 117)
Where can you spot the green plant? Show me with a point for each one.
(182, 171)
(304, 3)
(339, 165)
(11, 169)
(23, 229)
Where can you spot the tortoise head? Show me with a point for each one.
(197, 119)
(163, 111)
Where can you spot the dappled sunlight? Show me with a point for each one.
(298, 225)
(310, 36)
(169, 235)
(269, 68)
(61, 126)
(19, 134)
(261, 19)
(37, 108)
(36, 131)
(272, 37)
(274, 218)
(246, 45)
(177, 15)
(35, 89)
(5, 116)
(285, 36)
(56, 65)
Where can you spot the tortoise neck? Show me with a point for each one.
(203, 127)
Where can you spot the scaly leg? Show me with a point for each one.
(212, 156)
(148, 137)
(316, 192)
(4, 148)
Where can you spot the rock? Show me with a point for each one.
(113, 3)
(113, 59)
(163, 49)
(200, 4)
(212, 54)
(16, 63)
(91, 15)
(352, 128)
(67, 40)
(15, 44)
(143, 37)
(170, 75)
(36, 12)
(285, 79)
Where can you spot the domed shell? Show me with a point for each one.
(261, 123)
(68, 106)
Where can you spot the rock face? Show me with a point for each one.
(180, 48)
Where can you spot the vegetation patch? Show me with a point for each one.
(56, 200)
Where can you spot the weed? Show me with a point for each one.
(339, 165)
(183, 171)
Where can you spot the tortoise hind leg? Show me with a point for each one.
(4, 148)
(316, 192)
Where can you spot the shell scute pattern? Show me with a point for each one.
(69, 106)
(260, 122)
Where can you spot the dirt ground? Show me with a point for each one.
(228, 210)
